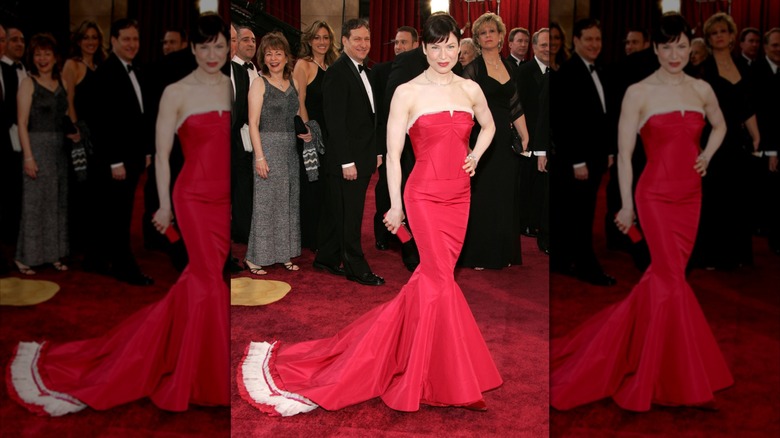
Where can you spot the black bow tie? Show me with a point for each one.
(362, 68)
(130, 68)
(546, 70)
(18, 66)
(592, 68)
(249, 66)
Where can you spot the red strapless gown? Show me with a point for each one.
(654, 346)
(422, 347)
(174, 351)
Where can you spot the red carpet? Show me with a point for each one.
(510, 307)
(743, 310)
(86, 306)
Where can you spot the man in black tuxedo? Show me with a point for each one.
(124, 143)
(10, 160)
(405, 40)
(584, 142)
(533, 80)
(766, 77)
(351, 157)
(519, 38)
(242, 165)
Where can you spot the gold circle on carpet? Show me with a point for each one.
(17, 292)
(245, 291)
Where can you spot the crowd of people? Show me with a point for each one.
(316, 177)
(741, 186)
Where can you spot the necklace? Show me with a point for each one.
(319, 65)
(494, 64)
(277, 83)
(425, 73)
(657, 75)
(217, 82)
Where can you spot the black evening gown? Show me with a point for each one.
(311, 191)
(493, 235)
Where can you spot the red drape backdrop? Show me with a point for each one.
(288, 11)
(385, 17)
(530, 14)
(761, 14)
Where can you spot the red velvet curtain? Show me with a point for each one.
(385, 17)
(288, 11)
(761, 14)
(530, 14)
(616, 17)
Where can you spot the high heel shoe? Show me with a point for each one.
(290, 266)
(60, 266)
(254, 269)
(24, 269)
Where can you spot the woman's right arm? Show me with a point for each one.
(396, 136)
(23, 105)
(627, 128)
(165, 131)
(255, 100)
(301, 77)
(69, 77)
(718, 123)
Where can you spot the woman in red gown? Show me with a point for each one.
(654, 346)
(422, 347)
(174, 351)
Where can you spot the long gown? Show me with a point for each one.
(173, 351)
(654, 346)
(311, 191)
(423, 346)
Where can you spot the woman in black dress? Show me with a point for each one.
(493, 234)
(725, 240)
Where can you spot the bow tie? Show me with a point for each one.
(592, 68)
(130, 68)
(18, 66)
(546, 70)
(362, 68)
(249, 66)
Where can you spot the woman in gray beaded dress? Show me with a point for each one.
(275, 234)
(42, 107)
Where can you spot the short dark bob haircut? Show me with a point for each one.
(671, 27)
(438, 27)
(207, 29)
(43, 42)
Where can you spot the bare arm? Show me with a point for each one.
(752, 127)
(485, 120)
(69, 77)
(396, 135)
(23, 105)
(627, 128)
(166, 129)
(522, 129)
(301, 78)
(715, 117)
(255, 99)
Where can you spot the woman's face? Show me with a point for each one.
(275, 60)
(321, 42)
(698, 54)
(44, 60)
(211, 56)
(90, 42)
(442, 56)
(555, 41)
(488, 36)
(467, 54)
(719, 37)
(674, 55)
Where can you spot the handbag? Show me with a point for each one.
(517, 143)
(300, 127)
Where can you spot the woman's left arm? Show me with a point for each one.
(752, 127)
(166, 129)
(715, 117)
(521, 128)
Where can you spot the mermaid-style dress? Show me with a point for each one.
(423, 346)
(655, 346)
(173, 351)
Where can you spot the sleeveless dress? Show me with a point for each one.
(275, 233)
(173, 351)
(43, 229)
(423, 346)
(311, 191)
(655, 346)
(80, 203)
(493, 237)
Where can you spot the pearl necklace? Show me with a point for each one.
(673, 84)
(195, 75)
(452, 76)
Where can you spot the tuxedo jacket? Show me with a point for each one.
(122, 132)
(379, 76)
(8, 105)
(240, 112)
(532, 85)
(349, 118)
(586, 133)
(767, 92)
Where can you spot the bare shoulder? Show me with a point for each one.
(701, 87)
(26, 84)
(467, 85)
(638, 91)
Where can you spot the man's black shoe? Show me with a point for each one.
(367, 278)
(527, 231)
(382, 246)
(136, 279)
(598, 279)
(335, 270)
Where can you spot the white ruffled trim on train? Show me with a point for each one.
(29, 385)
(260, 385)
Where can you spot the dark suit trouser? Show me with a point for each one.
(340, 228)
(242, 181)
(528, 206)
(382, 199)
(543, 193)
(10, 194)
